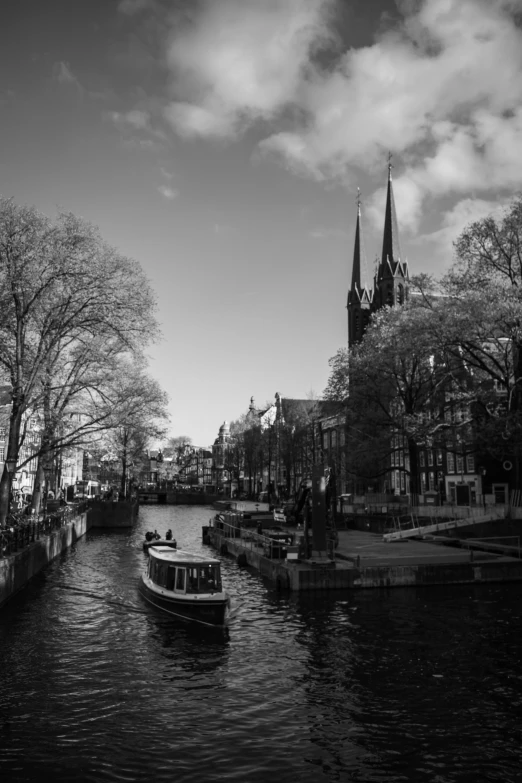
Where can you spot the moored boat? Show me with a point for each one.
(185, 585)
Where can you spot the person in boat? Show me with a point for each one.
(156, 535)
(149, 535)
(168, 535)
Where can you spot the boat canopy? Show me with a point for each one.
(179, 557)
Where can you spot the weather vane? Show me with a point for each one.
(390, 164)
(358, 198)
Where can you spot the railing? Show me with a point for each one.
(251, 540)
(470, 542)
(21, 531)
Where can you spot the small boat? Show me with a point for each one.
(185, 585)
(160, 542)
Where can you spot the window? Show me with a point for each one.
(460, 463)
(192, 580)
(470, 463)
(342, 438)
(430, 457)
(2, 433)
(180, 579)
(439, 456)
(325, 440)
(450, 460)
(334, 439)
(171, 577)
(422, 460)
(2, 453)
(423, 482)
(432, 480)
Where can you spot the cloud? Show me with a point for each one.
(454, 221)
(167, 192)
(135, 119)
(63, 74)
(239, 61)
(443, 90)
(441, 87)
(131, 7)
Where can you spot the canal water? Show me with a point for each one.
(398, 685)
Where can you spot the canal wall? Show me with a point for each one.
(346, 574)
(104, 513)
(18, 568)
(178, 498)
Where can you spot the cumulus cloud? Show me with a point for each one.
(240, 61)
(441, 88)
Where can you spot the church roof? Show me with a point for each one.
(391, 250)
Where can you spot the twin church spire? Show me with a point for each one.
(390, 284)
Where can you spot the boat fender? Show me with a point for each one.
(223, 550)
(241, 560)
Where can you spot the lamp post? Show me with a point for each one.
(10, 466)
(47, 473)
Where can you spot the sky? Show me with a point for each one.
(221, 143)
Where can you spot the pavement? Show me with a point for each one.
(373, 551)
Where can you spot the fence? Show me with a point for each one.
(275, 549)
(22, 531)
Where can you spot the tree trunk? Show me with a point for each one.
(15, 422)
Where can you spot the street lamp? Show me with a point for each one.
(10, 465)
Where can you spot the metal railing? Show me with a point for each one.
(470, 542)
(20, 531)
(269, 547)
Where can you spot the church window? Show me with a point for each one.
(400, 292)
(389, 295)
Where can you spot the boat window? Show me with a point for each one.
(209, 581)
(171, 577)
(159, 575)
(192, 580)
(180, 579)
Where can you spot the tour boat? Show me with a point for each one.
(185, 585)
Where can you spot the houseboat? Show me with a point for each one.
(185, 585)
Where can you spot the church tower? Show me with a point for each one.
(359, 296)
(391, 281)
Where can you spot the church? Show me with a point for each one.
(390, 283)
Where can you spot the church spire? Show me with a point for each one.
(359, 255)
(391, 250)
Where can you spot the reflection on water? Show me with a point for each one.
(398, 685)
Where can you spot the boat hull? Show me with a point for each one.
(207, 611)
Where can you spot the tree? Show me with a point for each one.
(70, 305)
(392, 386)
(138, 410)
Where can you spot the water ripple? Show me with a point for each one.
(400, 685)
